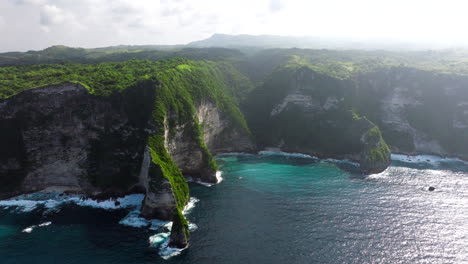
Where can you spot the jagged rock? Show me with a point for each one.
(179, 232)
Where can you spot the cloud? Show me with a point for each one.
(93, 23)
(276, 5)
(2, 22)
(28, 2)
(51, 15)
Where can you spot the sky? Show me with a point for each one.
(37, 24)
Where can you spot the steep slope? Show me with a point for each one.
(418, 111)
(139, 130)
(301, 110)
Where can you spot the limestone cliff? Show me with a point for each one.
(419, 112)
(301, 110)
(62, 137)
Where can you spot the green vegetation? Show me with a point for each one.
(63, 54)
(180, 85)
(169, 170)
(379, 152)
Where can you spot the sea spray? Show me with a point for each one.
(31, 228)
(29, 202)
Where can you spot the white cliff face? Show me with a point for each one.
(184, 150)
(143, 179)
(297, 98)
(418, 111)
(306, 102)
(394, 106)
(220, 133)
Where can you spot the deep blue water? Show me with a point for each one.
(272, 209)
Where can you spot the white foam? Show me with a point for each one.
(286, 154)
(156, 240)
(378, 176)
(31, 228)
(28, 229)
(343, 161)
(133, 219)
(300, 155)
(53, 202)
(192, 227)
(206, 184)
(234, 154)
(129, 201)
(157, 224)
(45, 224)
(24, 205)
(428, 159)
(167, 252)
(168, 226)
(190, 205)
(203, 183)
(219, 177)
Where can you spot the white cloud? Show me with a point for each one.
(276, 5)
(25, 2)
(2, 22)
(92, 23)
(51, 15)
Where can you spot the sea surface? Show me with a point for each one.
(269, 208)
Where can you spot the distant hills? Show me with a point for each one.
(305, 42)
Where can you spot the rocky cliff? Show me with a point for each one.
(141, 126)
(419, 112)
(301, 110)
(61, 137)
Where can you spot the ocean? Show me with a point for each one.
(269, 208)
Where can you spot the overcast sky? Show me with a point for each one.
(37, 24)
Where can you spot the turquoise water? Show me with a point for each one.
(271, 209)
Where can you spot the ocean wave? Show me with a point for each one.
(52, 201)
(343, 161)
(235, 154)
(219, 177)
(306, 156)
(206, 184)
(133, 219)
(190, 205)
(158, 239)
(31, 228)
(285, 154)
(377, 176)
(161, 241)
(133, 202)
(427, 159)
(167, 252)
